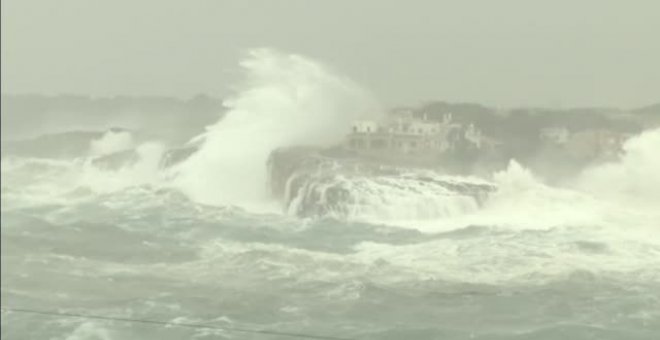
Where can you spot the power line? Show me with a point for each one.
(166, 323)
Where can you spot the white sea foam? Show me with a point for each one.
(89, 330)
(145, 170)
(111, 142)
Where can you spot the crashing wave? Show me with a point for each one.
(316, 185)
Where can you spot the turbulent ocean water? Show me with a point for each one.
(392, 256)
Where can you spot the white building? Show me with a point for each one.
(402, 132)
(365, 126)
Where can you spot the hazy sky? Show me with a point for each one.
(504, 52)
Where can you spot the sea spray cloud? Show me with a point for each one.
(285, 100)
(636, 176)
(524, 201)
(111, 142)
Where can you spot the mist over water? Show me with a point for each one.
(391, 253)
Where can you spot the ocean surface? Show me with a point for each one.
(150, 249)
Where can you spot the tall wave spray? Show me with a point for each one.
(636, 178)
(285, 100)
(621, 192)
